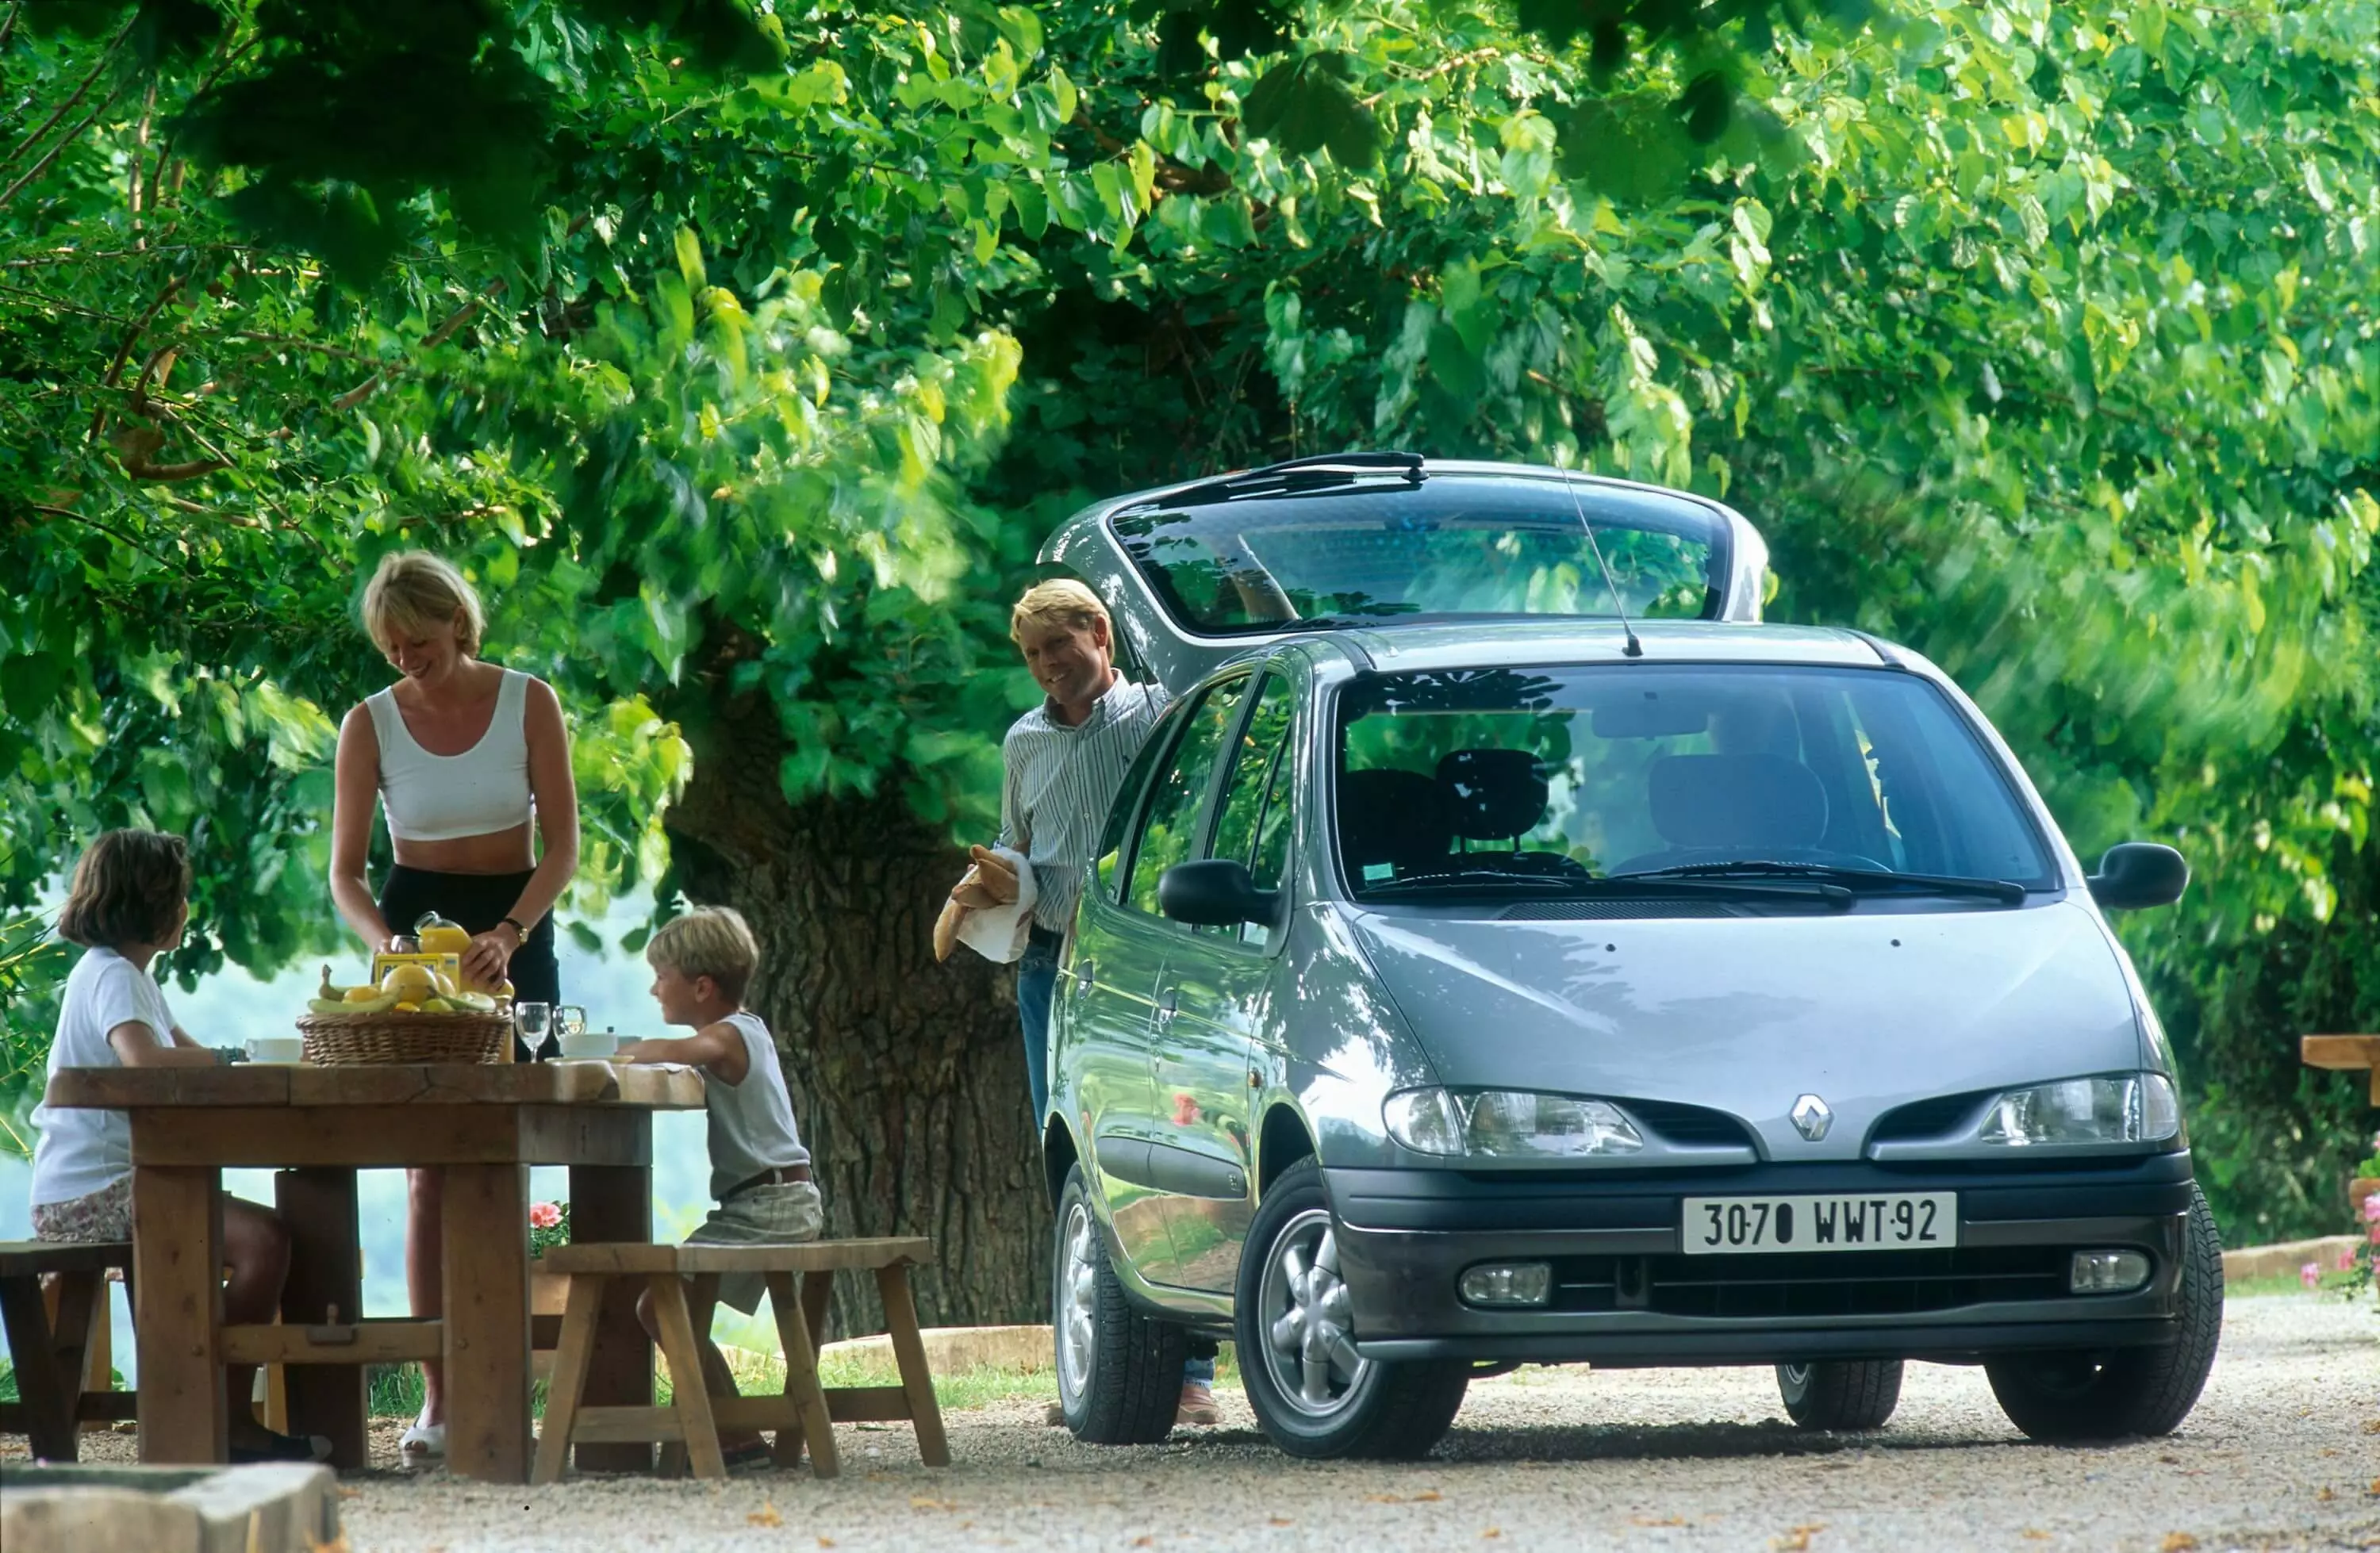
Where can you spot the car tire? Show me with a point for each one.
(1844, 1394)
(1291, 1307)
(1119, 1369)
(2127, 1392)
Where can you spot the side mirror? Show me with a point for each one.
(1218, 893)
(2137, 874)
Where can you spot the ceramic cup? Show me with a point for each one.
(274, 1048)
(590, 1043)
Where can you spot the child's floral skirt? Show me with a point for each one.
(104, 1215)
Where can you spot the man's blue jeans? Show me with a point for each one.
(1037, 985)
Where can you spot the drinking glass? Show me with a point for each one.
(534, 1024)
(569, 1020)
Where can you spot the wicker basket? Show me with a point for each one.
(348, 1040)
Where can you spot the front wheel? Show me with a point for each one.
(1840, 1393)
(1314, 1395)
(2067, 1397)
(1119, 1371)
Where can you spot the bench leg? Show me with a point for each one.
(689, 1394)
(572, 1357)
(41, 1386)
(909, 1348)
(802, 1386)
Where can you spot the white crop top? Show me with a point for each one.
(439, 797)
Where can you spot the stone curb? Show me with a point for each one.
(271, 1508)
(2284, 1259)
(955, 1350)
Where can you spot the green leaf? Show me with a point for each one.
(1303, 106)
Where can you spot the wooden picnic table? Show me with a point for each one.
(485, 1126)
(2349, 1053)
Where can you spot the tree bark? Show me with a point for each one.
(907, 1077)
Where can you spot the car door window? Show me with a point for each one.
(1251, 817)
(1108, 870)
(1169, 825)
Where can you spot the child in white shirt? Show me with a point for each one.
(129, 903)
(760, 1171)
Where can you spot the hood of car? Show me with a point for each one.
(1746, 1015)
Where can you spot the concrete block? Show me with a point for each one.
(269, 1509)
(955, 1350)
(2284, 1259)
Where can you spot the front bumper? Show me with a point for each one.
(1627, 1296)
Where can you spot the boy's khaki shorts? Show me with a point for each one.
(785, 1213)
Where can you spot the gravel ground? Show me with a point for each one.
(2283, 1451)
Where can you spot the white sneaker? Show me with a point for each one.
(424, 1440)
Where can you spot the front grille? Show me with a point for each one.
(1692, 1126)
(1789, 1286)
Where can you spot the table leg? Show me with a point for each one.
(325, 1275)
(615, 1202)
(178, 1313)
(486, 1322)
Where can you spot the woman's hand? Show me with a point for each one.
(484, 962)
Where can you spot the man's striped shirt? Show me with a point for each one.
(1061, 782)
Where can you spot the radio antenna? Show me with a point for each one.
(1633, 648)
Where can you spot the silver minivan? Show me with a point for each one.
(1506, 950)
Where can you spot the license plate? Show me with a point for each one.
(1882, 1221)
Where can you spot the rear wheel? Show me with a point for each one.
(1119, 1371)
(2116, 1394)
(1313, 1394)
(1840, 1393)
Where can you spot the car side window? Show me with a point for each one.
(1169, 826)
(1251, 816)
(1108, 868)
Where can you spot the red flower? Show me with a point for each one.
(544, 1216)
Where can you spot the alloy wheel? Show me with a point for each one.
(1077, 1309)
(1309, 1351)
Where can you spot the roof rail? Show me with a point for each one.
(1318, 470)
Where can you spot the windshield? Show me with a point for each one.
(1450, 545)
(1561, 774)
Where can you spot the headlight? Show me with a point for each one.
(2121, 1108)
(1507, 1124)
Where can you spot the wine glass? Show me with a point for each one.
(569, 1020)
(533, 1023)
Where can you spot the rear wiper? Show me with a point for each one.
(1611, 884)
(2006, 891)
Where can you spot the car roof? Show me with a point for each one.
(1538, 640)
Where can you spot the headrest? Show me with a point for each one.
(1391, 815)
(1492, 794)
(1736, 801)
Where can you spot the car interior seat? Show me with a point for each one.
(1493, 794)
(1732, 805)
(1394, 816)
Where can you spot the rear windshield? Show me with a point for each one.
(1454, 545)
(1622, 769)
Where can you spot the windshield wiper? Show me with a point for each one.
(1607, 884)
(2007, 891)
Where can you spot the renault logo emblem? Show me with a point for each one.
(1811, 1117)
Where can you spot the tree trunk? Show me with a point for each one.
(907, 1077)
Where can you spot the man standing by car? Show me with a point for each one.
(1064, 760)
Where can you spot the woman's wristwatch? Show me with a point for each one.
(513, 923)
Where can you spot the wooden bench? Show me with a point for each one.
(53, 1348)
(806, 1411)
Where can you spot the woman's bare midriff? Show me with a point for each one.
(498, 852)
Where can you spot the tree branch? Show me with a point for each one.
(119, 537)
(123, 353)
(438, 336)
(38, 168)
(97, 67)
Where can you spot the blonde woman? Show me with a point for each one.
(471, 763)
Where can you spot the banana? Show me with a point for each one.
(473, 1002)
(329, 992)
(329, 1005)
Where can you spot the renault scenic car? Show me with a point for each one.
(1502, 953)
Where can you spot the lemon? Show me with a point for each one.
(359, 994)
(408, 1008)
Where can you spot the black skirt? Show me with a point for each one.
(475, 903)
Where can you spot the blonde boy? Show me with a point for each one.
(760, 1172)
